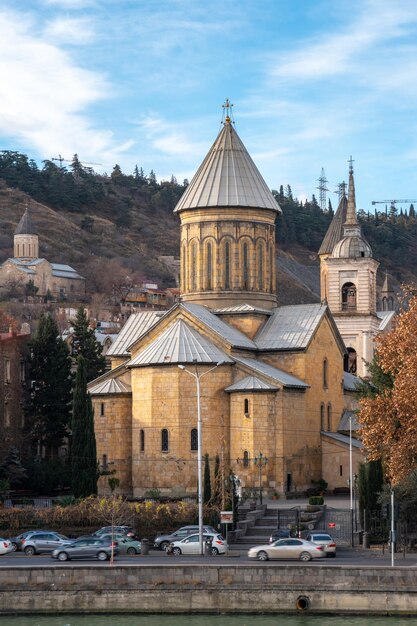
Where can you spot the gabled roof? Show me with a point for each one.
(350, 381)
(335, 230)
(290, 327)
(251, 383)
(180, 343)
(242, 308)
(110, 386)
(25, 226)
(136, 326)
(230, 334)
(343, 439)
(227, 178)
(283, 378)
(386, 317)
(344, 424)
(65, 271)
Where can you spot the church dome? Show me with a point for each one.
(352, 247)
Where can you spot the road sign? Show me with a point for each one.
(310, 527)
(331, 524)
(226, 517)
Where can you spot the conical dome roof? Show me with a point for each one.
(227, 177)
(25, 226)
(335, 231)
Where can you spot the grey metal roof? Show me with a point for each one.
(335, 230)
(350, 381)
(385, 317)
(343, 439)
(225, 331)
(290, 327)
(136, 326)
(36, 262)
(65, 271)
(283, 378)
(227, 177)
(25, 226)
(344, 424)
(251, 383)
(352, 247)
(110, 386)
(180, 343)
(242, 308)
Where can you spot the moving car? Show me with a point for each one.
(43, 542)
(279, 533)
(93, 548)
(191, 544)
(5, 546)
(321, 538)
(163, 541)
(126, 545)
(288, 549)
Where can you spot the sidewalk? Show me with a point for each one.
(336, 502)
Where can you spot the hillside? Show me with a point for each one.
(123, 223)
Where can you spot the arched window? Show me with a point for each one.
(209, 267)
(351, 361)
(194, 267)
(390, 303)
(329, 417)
(245, 266)
(164, 440)
(322, 416)
(227, 265)
(246, 407)
(348, 297)
(261, 267)
(246, 459)
(142, 440)
(384, 304)
(104, 462)
(184, 268)
(194, 439)
(325, 372)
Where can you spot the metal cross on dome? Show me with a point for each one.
(227, 117)
(351, 162)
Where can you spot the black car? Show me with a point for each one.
(280, 533)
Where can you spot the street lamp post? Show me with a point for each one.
(351, 479)
(197, 375)
(261, 462)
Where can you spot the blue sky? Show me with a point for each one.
(128, 82)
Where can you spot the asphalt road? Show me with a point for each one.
(345, 557)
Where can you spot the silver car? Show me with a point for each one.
(42, 542)
(92, 548)
(287, 549)
(321, 538)
(163, 541)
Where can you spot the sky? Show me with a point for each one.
(143, 82)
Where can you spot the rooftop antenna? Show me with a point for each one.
(227, 117)
(322, 187)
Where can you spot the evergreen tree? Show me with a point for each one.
(411, 211)
(83, 452)
(11, 469)
(86, 344)
(152, 178)
(50, 399)
(207, 482)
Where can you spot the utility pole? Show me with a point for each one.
(261, 462)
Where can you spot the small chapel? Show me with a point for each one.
(276, 383)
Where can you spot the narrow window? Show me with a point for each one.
(227, 265)
(184, 269)
(22, 372)
(322, 416)
(245, 266)
(348, 297)
(164, 440)
(246, 407)
(6, 415)
(104, 462)
(142, 440)
(194, 267)
(325, 373)
(340, 470)
(329, 417)
(194, 440)
(102, 408)
(246, 459)
(261, 267)
(209, 267)
(6, 370)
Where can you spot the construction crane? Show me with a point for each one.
(393, 202)
(62, 160)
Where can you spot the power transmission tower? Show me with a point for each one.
(341, 190)
(322, 187)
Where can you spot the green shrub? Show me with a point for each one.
(316, 500)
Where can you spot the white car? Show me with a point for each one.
(287, 549)
(321, 538)
(191, 544)
(5, 546)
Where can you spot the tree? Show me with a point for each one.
(49, 406)
(217, 491)
(207, 482)
(11, 468)
(83, 451)
(389, 414)
(86, 344)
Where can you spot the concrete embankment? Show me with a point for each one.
(211, 588)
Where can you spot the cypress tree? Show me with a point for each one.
(85, 344)
(83, 454)
(207, 482)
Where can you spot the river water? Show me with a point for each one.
(206, 620)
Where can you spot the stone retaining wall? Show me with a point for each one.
(209, 588)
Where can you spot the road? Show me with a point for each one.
(345, 557)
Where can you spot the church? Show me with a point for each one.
(273, 380)
(25, 267)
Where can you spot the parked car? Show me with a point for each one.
(17, 541)
(163, 541)
(126, 545)
(321, 538)
(43, 542)
(5, 546)
(93, 548)
(288, 549)
(191, 544)
(279, 533)
(106, 530)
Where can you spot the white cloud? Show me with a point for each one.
(69, 30)
(168, 138)
(70, 4)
